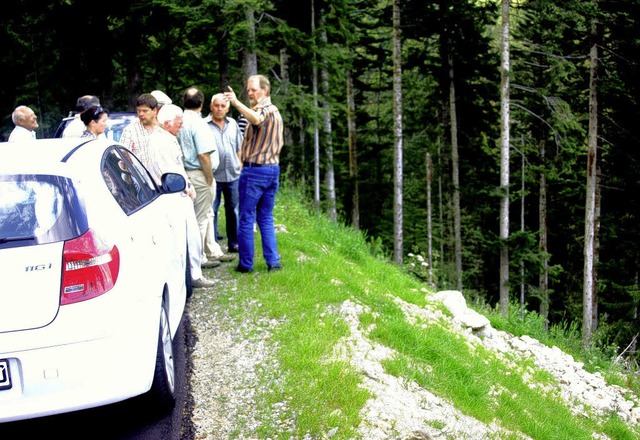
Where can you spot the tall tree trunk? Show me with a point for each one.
(455, 178)
(429, 169)
(284, 91)
(301, 141)
(302, 129)
(441, 203)
(397, 130)
(222, 49)
(353, 153)
(316, 133)
(504, 161)
(596, 251)
(249, 58)
(329, 176)
(284, 95)
(522, 228)
(543, 280)
(634, 342)
(590, 203)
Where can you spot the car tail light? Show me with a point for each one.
(90, 268)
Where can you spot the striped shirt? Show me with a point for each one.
(135, 137)
(262, 143)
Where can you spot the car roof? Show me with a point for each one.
(50, 156)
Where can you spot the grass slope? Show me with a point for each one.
(326, 264)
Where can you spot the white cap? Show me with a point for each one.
(161, 97)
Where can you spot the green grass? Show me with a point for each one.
(326, 264)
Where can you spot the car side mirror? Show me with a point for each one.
(173, 183)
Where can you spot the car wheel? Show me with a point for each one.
(163, 388)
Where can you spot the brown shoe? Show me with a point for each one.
(226, 257)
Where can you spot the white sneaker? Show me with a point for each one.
(202, 282)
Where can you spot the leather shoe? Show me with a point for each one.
(242, 269)
(225, 257)
(210, 264)
(274, 267)
(202, 282)
(233, 249)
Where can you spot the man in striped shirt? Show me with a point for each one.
(135, 136)
(259, 178)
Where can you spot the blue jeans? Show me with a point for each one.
(257, 191)
(228, 190)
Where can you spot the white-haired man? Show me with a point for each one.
(228, 142)
(26, 122)
(165, 156)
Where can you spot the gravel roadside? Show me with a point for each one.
(226, 361)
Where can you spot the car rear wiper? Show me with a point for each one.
(23, 238)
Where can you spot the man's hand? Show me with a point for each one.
(230, 96)
(252, 116)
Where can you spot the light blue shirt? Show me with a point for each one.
(196, 138)
(228, 144)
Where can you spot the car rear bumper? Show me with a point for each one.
(65, 377)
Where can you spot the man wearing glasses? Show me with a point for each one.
(260, 155)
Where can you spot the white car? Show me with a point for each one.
(94, 278)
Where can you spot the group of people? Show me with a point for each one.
(219, 158)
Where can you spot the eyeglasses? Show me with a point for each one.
(97, 112)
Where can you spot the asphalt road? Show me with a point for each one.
(128, 420)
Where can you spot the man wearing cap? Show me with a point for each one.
(76, 127)
(162, 99)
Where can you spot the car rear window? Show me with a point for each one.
(37, 209)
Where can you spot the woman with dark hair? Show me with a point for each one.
(95, 121)
(76, 127)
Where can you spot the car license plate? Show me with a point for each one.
(5, 375)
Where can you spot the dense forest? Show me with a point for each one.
(336, 80)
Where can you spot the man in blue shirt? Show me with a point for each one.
(228, 143)
(200, 161)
